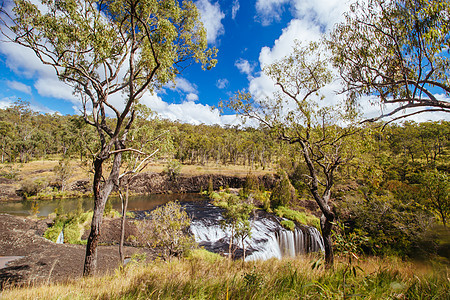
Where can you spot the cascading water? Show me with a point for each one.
(268, 238)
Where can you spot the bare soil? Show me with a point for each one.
(44, 261)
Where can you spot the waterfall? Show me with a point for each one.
(60, 239)
(268, 238)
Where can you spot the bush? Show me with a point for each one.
(288, 224)
(73, 226)
(166, 230)
(300, 217)
(32, 187)
(392, 227)
(283, 193)
(173, 169)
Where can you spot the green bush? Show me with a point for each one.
(166, 230)
(73, 226)
(53, 231)
(288, 224)
(283, 193)
(31, 187)
(300, 217)
(173, 169)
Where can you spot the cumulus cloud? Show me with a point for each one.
(222, 83)
(19, 86)
(324, 12)
(185, 86)
(211, 16)
(189, 111)
(270, 10)
(192, 97)
(263, 86)
(245, 67)
(235, 9)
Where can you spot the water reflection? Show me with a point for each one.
(141, 202)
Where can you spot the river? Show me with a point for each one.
(46, 207)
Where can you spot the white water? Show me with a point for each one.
(60, 239)
(268, 238)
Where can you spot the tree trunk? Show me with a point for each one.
(101, 194)
(326, 226)
(122, 229)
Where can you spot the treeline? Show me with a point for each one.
(27, 135)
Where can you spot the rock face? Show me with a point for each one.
(158, 183)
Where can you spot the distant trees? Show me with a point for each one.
(397, 52)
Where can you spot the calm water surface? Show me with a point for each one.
(46, 207)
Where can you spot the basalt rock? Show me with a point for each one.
(157, 183)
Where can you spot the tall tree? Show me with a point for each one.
(294, 115)
(396, 51)
(106, 48)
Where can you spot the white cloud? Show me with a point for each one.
(189, 111)
(52, 87)
(263, 86)
(270, 10)
(235, 9)
(192, 97)
(185, 86)
(245, 67)
(324, 12)
(222, 83)
(211, 16)
(6, 102)
(19, 86)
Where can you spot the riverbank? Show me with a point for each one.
(193, 178)
(43, 261)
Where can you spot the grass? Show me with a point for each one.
(204, 275)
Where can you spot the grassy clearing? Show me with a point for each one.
(207, 276)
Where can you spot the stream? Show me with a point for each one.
(268, 239)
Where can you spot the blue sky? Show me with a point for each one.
(248, 34)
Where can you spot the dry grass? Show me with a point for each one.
(204, 276)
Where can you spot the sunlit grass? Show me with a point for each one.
(208, 276)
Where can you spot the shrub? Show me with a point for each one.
(283, 193)
(173, 169)
(300, 217)
(166, 230)
(32, 187)
(288, 224)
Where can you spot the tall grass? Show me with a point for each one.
(208, 276)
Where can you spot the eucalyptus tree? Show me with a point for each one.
(294, 115)
(397, 52)
(109, 50)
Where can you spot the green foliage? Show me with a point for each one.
(63, 172)
(288, 224)
(173, 169)
(391, 226)
(297, 216)
(436, 193)
(166, 230)
(201, 254)
(393, 40)
(73, 226)
(32, 187)
(236, 216)
(283, 193)
(53, 231)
